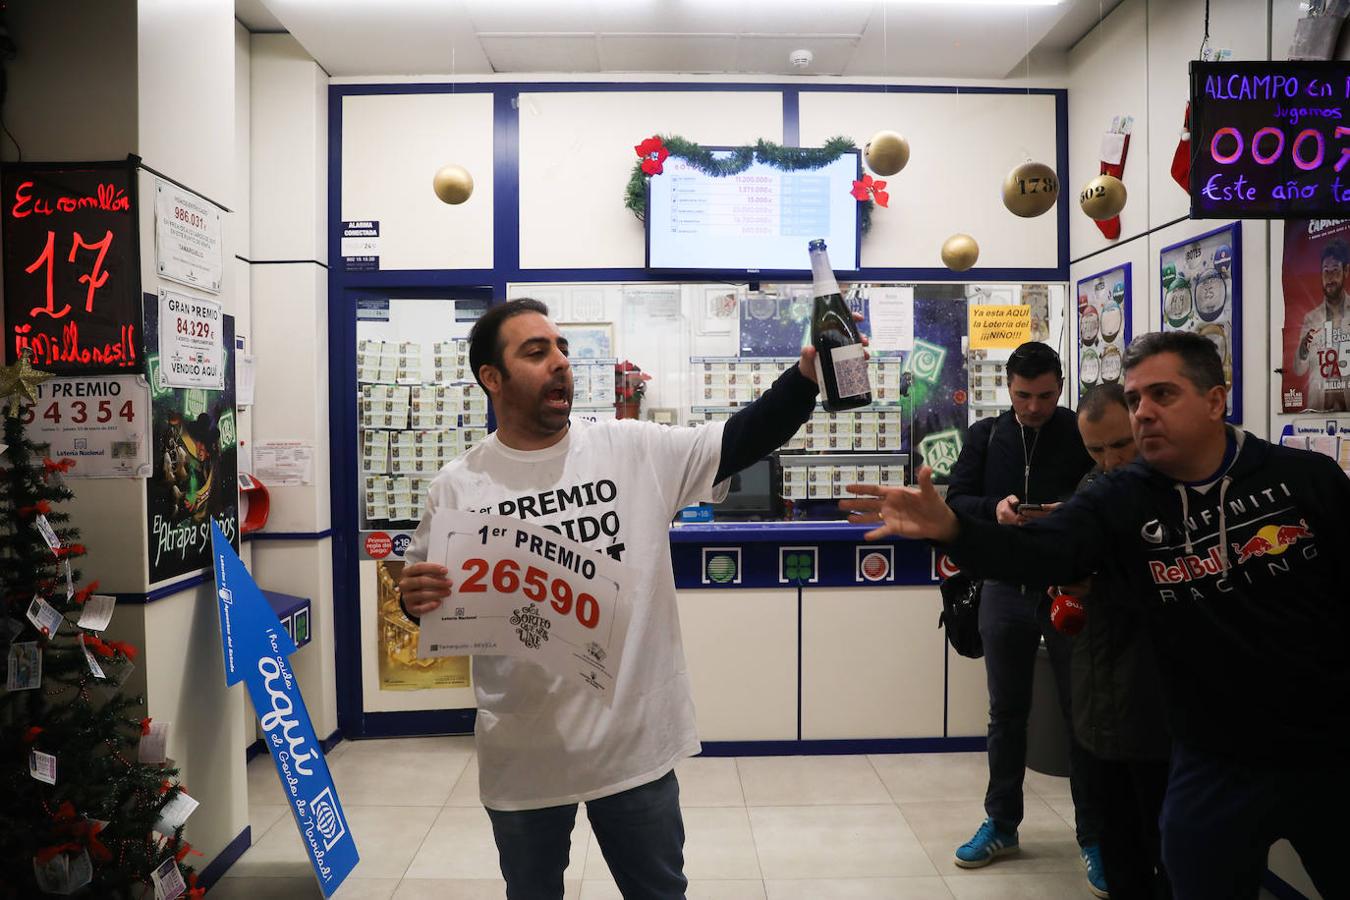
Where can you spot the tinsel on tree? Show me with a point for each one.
(96, 824)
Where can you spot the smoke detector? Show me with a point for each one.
(800, 59)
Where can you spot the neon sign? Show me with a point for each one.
(71, 267)
(1267, 140)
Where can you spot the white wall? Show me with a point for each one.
(288, 208)
(185, 83)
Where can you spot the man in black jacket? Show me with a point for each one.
(1117, 696)
(1236, 549)
(1030, 455)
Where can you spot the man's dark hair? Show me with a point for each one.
(1099, 398)
(485, 344)
(1337, 250)
(1200, 361)
(1032, 360)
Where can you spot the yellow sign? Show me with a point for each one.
(400, 669)
(999, 327)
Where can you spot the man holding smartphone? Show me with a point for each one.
(1012, 469)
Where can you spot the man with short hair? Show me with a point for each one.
(1117, 695)
(1031, 454)
(1326, 327)
(545, 745)
(1235, 548)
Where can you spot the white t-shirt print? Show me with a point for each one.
(613, 486)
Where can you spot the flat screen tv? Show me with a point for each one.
(751, 494)
(758, 221)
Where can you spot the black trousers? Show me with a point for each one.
(1132, 802)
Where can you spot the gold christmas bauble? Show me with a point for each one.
(1103, 198)
(1030, 189)
(453, 184)
(886, 153)
(959, 252)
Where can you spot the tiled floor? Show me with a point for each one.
(773, 828)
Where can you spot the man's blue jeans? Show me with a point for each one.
(1012, 623)
(641, 835)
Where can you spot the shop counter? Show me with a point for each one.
(806, 637)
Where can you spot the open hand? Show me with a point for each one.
(908, 512)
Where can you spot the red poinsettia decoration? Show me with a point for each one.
(653, 153)
(871, 189)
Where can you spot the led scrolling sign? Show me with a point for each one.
(71, 267)
(1270, 140)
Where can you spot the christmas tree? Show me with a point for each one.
(80, 812)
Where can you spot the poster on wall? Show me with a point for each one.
(939, 393)
(1202, 292)
(188, 245)
(71, 267)
(1104, 303)
(1315, 368)
(194, 459)
(400, 667)
(191, 346)
(102, 422)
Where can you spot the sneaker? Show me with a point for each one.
(1096, 874)
(987, 845)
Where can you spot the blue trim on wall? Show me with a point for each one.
(1062, 168)
(291, 535)
(720, 532)
(792, 118)
(344, 286)
(405, 724)
(168, 590)
(844, 747)
(1281, 888)
(506, 190)
(225, 858)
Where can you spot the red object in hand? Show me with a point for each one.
(1068, 615)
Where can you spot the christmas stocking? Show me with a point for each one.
(1181, 158)
(1115, 146)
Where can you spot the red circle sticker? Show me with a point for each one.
(959, 397)
(378, 545)
(945, 567)
(875, 566)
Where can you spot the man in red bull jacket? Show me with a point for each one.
(1237, 550)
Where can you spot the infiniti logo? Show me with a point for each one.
(1153, 532)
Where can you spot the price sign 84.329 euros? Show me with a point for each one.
(521, 590)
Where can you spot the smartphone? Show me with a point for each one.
(1030, 507)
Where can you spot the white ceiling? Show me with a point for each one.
(870, 38)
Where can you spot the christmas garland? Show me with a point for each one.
(655, 150)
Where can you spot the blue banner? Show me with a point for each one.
(255, 649)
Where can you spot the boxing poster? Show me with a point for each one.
(1316, 359)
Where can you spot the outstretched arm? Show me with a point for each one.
(1060, 548)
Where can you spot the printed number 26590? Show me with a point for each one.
(506, 579)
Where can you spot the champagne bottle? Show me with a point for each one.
(841, 363)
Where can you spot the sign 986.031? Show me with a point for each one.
(187, 216)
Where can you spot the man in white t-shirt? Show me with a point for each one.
(543, 744)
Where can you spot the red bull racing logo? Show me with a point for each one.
(1272, 540)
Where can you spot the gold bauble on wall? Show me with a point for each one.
(1030, 190)
(452, 184)
(959, 252)
(886, 153)
(1103, 197)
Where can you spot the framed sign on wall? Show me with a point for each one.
(1104, 309)
(1202, 292)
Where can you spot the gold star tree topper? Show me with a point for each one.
(19, 382)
